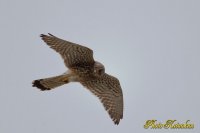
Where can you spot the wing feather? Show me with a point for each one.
(72, 53)
(107, 88)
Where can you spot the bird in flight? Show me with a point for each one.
(84, 69)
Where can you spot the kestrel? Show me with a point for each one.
(84, 69)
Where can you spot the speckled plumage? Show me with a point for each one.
(84, 69)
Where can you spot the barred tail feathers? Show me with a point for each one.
(50, 83)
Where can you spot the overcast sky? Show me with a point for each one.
(151, 46)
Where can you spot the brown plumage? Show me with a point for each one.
(84, 69)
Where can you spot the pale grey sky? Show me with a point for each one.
(152, 46)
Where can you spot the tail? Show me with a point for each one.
(50, 83)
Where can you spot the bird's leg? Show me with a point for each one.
(65, 79)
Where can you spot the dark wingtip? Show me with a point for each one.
(42, 35)
(51, 34)
(116, 122)
(36, 83)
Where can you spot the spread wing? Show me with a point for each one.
(109, 91)
(73, 54)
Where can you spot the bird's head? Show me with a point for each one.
(99, 68)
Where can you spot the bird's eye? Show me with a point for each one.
(101, 71)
